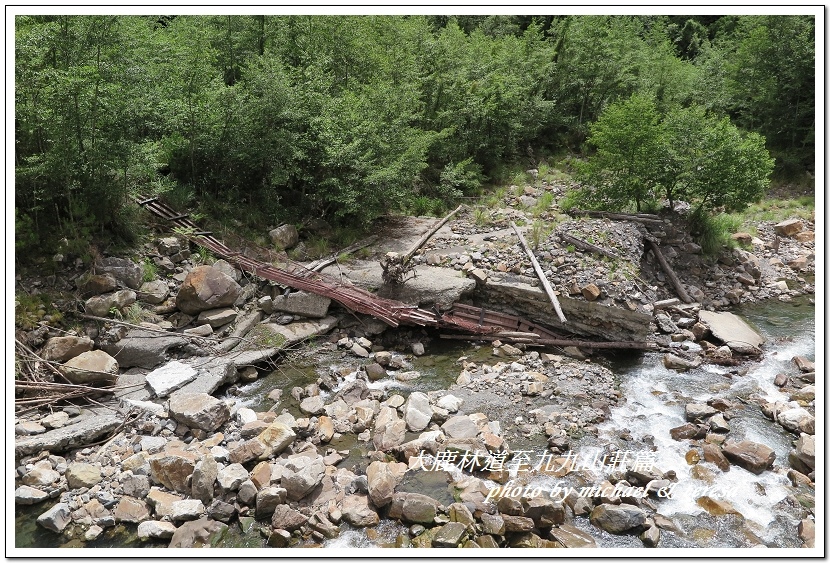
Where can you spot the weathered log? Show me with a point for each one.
(681, 291)
(428, 235)
(666, 303)
(584, 245)
(622, 345)
(318, 265)
(645, 218)
(542, 277)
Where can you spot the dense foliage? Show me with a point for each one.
(349, 117)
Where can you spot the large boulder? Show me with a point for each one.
(284, 236)
(301, 474)
(142, 348)
(91, 367)
(357, 512)
(418, 411)
(752, 456)
(172, 468)
(276, 438)
(199, 533)
(63, 348)
(617, 519)
(381, 480)
(80, 475)
(96, 284)
(732, 331)
(122, 269)
(56, 518)
(199, 410)
(206, 288)
(789, 227)
(302, 303)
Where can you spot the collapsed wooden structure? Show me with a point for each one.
(459, 318)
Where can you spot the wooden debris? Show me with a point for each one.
(396, 267)
(542, 278)
(584, 245)
(681, 291)
(645, 218)
(318, 265)
(621, 345)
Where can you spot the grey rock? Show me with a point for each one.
(153, 530)
(217, 317)
(381, 483)
(56, 518)
(199, 533)
(231, 477)
(204, 478)
(27, 495)
(460, 427)
(142, 348)
(199, 410)
(137, 486)
(122, 269)
(301, 303)
(301, 474)
(188, 509)
(696, 412)
(449, 535)
(63, 348)
(42, 475)
(617, 519)
(417, 412)
(206, 288)
(84, 431)
(286, 518)
(267, 500)
(572, 537)
(91, 367)
(357, 512)
(169, 377)
(284, 237)
(731, 330)
(752, 456)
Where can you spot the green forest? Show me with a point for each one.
(267, 119)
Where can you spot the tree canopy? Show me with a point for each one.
(278, 118)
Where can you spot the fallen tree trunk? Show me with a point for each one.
(318, 265)
(645, 218)
(625, 345)
(541, 274)
(681, 291)
(584, 245)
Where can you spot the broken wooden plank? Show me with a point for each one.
(681, 291)
(666, 303)
(585, 245)
(542, 277)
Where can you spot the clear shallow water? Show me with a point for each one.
(655, 403)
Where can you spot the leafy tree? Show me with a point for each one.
(625, 167)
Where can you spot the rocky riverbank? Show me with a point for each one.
(170, 448)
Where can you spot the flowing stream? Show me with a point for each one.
(655, 400)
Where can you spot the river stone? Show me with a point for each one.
(718, 424)
(267, 500)
(80, 475)
(731, 330)
(206, 288)
(526, 540)
(188, 509)
(154, 530)
(204, 478)
(301, 474)
(169, 377)
(199, 410)
(142, 348)
(449, 535)
(806, 394)
(517, 523)
(617, 519)
(246, 495)
(357, 512)
(381, 483)
(651, 536)
(313, 405)
(84, 431)
(286, 518)
(450, 403)
(216, 317)
(375, 371)
(390, 434)
(55, 420)
(545, 512)
(162, 502)
(24, 494)
(460, 427)
(63, 348)
(418, 509)
(42, 474)
(199, 533)
(276, 438)
(302, 303)
(751, 456)
(805, 450)
(713, 454)
(673, 361)
(230, 477)
(131, 510)
(696, 412)
(137, 486)
(796, 420)
(417, 412)
(492, 524)
(122, 269)
(56, 518)
(28, 428)
(91, 367)
(172, 467)
(572, 537)
(716, 507)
